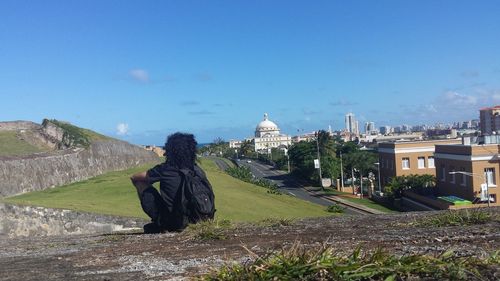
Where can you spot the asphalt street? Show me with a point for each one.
(287, 183)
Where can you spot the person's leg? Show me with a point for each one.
(152, 204)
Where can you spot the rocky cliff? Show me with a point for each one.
(77, 155)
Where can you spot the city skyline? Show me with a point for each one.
(139, 71)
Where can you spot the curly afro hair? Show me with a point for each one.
(180, 150)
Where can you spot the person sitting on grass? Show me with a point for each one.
(184, 188)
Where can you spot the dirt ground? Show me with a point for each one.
(179, 256)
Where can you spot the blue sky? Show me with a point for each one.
(139, 70)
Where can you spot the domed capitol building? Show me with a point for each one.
(267, 136)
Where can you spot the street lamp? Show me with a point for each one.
(378, 168)
(477, 176)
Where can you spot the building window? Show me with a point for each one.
(406, 163)
(489, 173)
(452, 179)
(391, 163)
(421, 162)
(381, 161)
(430, 161)
(443, 173)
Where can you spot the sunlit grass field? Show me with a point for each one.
(11, 145)
(112, 193)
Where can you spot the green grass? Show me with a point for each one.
(11, 145)
(240, 201)
(300, 263)
(361, 201)
(457, 218)
(228, 162)
(76, 136)
(371, 204)
(113, 194)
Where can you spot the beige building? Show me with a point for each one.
(158, 150)
(408, 157)
(235, 143)
(490, 120)
(480, 163)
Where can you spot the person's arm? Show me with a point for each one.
(139, 177)
(140, 181)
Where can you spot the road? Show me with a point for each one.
(288, 184)
(220, 163)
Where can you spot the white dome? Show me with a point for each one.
(266, 128)
(266, 125)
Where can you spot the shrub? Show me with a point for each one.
(420, 184)
(335, 208)
(243, 173)
(456, 218)
(209, 230)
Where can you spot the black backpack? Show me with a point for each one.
(194, 201)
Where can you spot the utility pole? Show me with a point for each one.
(319, 160)
(379, 184)
(360, 184)
(341, 172)
(288, 159)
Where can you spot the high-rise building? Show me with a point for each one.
(370, 128)
(474, 123)
(490, 120)
(385, 130)
(351, 125)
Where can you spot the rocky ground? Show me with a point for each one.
(177, 256)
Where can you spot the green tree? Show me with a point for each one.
(302, 159)
(247, 149)
(421, 184)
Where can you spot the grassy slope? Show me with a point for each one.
(241, 201)
(10, 145)
(112, 193)
(361, 201)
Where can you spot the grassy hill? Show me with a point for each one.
(26, 142)
(112, 193)
(75, 136)
(13, 144)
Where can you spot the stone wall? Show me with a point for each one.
(45, 170)
(18, 221)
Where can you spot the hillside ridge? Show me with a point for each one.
(66, 154)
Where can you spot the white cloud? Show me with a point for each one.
(122, 129)
(496, 96)
(459, 99)
(140, 75)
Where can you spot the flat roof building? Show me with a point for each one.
(463, 171)
(407, 158)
